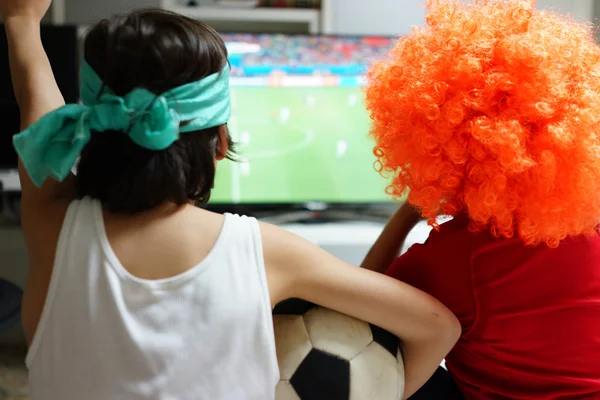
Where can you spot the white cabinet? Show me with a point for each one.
(310, 18)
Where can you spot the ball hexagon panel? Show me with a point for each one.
(291, 342)
(374, 374)
(322, 376)
(387, 340)
(336, 333)
(285, 391)
(293, 307)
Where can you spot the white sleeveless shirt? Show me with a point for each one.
(104, 334)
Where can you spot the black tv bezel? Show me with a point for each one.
(316, 206)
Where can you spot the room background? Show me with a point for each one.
(359, 17)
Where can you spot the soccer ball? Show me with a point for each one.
(325, 355)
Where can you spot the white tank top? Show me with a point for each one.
(206, 334)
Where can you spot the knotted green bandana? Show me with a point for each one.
(51, 146)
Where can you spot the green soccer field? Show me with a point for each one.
(299, 145)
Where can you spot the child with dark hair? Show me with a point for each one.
(491, 114)
(133, 292)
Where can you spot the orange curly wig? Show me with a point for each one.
(493, 109)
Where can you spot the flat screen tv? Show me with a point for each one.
(299, 118)
(299, 121)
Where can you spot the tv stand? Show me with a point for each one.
(350, 239)
(327, 216)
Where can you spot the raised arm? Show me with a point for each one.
(37, 93)
(427, 329)
(390, 242)
(35, 88)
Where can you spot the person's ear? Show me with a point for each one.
(222, 142)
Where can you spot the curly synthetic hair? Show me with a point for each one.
(493, 110)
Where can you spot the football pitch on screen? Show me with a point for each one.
(299, 145)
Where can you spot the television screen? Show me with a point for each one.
(299, 121)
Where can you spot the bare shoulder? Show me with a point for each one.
(286, 251)
(277, 241)
(283, 255)
(299, 268)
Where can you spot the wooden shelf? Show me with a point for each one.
(275, 15)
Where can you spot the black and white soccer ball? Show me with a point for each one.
(325, 355)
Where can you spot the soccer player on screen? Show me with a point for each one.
(491, 114)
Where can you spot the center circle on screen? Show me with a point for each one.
(298, 139)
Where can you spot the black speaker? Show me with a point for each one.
(61, 45)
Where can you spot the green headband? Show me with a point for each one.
(51, 146)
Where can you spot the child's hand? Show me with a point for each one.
(33, 10)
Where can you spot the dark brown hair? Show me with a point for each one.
(156, 50)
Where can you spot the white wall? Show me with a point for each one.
(377, 17)
(581, 9)
(396, 17)
(90, 11)
(597, 20)
(384, 17)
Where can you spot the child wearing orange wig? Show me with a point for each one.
(491, 114)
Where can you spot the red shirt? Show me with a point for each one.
(530, 316)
